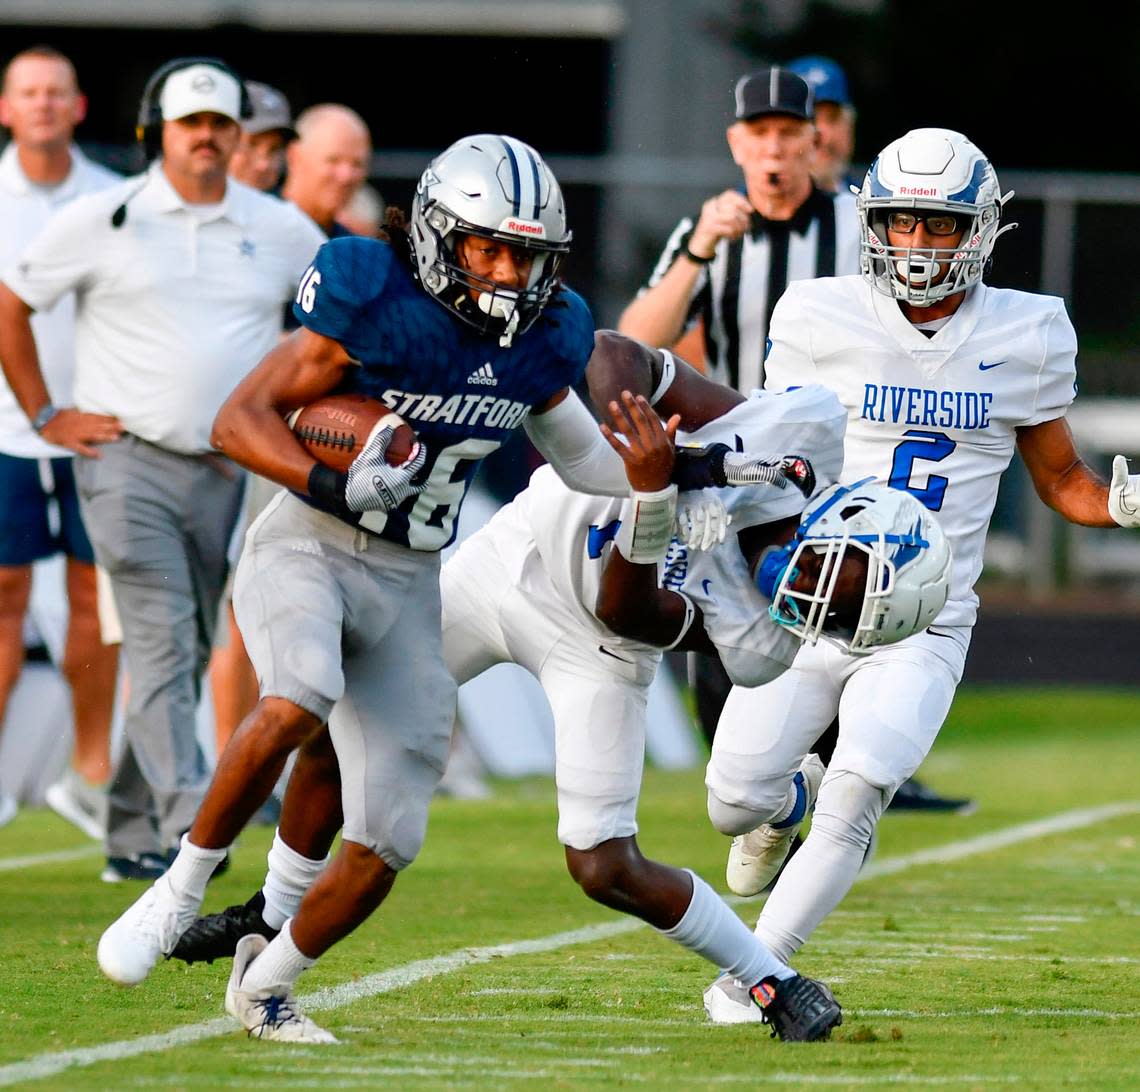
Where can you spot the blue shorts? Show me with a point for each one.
(39, 511)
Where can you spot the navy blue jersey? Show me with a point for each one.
(461, 392)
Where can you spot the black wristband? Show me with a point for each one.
(696, 257)
(326, 486)
(699, 467)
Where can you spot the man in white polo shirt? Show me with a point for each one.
(41, 170)
(179, 279)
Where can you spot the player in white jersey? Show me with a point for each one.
(942, 377)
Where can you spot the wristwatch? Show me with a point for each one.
(41, 419)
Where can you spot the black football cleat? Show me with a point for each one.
(913, 795)
(799, 1009)
(216, 936)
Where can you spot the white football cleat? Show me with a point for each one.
(269, 1013)
(150, 927)
(727, 1001)
(756, 857)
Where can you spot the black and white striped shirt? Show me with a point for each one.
(736, 292)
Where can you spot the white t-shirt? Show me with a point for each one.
(938, 415)
(173, 307)
(569, 532)
(25, 208)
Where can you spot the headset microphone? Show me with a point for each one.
(119, 216)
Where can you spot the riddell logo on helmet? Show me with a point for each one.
(522, 227)
(918, 191)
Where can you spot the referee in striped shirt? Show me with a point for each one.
(731, 266)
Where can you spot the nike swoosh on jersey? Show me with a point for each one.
(984, 367)
(605, 651)
(705, 586)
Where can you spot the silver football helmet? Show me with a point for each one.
(936, 170)
(907, 567)
(499, 188)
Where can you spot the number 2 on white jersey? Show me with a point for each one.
(930, 447)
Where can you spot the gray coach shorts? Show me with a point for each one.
(347, 626)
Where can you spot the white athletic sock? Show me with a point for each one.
(191, 871)
(278, 967)
(710, 928)
(290, 875)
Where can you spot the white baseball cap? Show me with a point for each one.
(200, 89)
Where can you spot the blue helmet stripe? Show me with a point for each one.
(515, 177)
(969, 192)
(537, 180)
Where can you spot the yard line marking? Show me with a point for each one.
(995, 1011)
(46, 1065)
(999, 839)
(12, 864)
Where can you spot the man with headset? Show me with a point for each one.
(179, 279)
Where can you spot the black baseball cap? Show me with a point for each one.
(774, 91)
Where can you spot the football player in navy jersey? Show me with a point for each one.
(460, 326)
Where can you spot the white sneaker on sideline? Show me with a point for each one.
(755, 857)
(269, 1013)
(79, 803)
(8, 808)
(150, 927)
(727, 1001)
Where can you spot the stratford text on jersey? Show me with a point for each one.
(456, 409)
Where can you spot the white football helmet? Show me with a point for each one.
(499, 188)
(938, 170)
(908, 566)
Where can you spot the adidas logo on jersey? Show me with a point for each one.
(484, 376)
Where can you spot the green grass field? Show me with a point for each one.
(1008, 962)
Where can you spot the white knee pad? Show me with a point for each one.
(848, 809)
(732, 818)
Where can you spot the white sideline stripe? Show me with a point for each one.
(12, 864)
(45, 1065)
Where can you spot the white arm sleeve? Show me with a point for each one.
(567, 436)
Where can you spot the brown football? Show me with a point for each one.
(333, 429)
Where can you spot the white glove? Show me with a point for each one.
(1124, 494)
(374, 485)
(702, 521)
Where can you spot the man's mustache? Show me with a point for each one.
(207, 145)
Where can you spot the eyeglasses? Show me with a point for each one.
(937, 223)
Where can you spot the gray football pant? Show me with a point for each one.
(160, 524)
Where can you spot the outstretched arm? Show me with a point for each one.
(657, 315)
(629, 600)
(1067, 484)
(622, 363)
